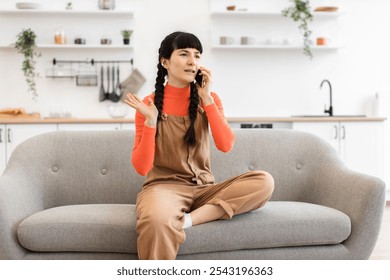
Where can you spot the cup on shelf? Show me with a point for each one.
(105, 41)
(323, 41)
(245, 40)
(271, 41)
(226, 40)
(106, 4)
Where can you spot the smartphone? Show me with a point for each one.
(199, 78)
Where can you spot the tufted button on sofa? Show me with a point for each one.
(71, 195)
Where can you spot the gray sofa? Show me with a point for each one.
(71, 195)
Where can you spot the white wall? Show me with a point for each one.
(250, 83)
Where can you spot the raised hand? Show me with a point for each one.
(149, 111)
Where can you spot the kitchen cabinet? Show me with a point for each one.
(3, 152)
(360, 144)
(262, 22)
(13, 134)
(128, 126)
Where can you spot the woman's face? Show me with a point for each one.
(182, 67)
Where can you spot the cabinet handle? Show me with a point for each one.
(1, 137)
(343, 132)
(9, 135)
(335, 135)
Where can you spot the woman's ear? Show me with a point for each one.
(164, 63)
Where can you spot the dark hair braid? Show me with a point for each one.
(159, 89)
(190, 136)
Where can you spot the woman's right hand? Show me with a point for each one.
(150, 111)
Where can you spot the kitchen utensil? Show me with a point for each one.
(118, 84)
(108, 90)
(112, 94)
(102, 93)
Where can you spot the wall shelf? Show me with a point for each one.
(79, 47)
(271, 47)
(67, 12)
(269, 14)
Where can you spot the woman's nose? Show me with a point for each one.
(191, 60)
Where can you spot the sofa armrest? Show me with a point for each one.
(360, 196)
(20, 197)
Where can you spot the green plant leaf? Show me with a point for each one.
(25, 45)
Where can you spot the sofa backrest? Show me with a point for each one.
(85, 167)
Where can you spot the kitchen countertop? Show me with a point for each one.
(230, 119)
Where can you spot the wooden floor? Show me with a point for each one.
(382, 248)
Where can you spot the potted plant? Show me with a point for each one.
(25, 44)
(126, 33)
(300, 12)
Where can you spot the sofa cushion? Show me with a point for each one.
(111, 228)
(82, 228)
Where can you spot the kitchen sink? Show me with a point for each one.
(327, 116)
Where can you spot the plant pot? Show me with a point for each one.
(126, 41)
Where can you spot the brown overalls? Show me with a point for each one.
(181, 181)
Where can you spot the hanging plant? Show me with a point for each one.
(25, 44)
(300, 12)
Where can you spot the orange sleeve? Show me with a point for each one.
(222, 133)
(144, 144)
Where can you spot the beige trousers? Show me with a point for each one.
(160, 209)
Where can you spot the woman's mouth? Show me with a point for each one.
(190, 71)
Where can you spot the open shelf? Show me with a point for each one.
(66, 12)
(271, 47)
(270, 14)
(52, 46)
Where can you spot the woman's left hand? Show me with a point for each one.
(204, 89)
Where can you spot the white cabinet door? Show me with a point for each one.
(3, 154)
(17, 133)
(89, 126)
(128, 126)
(326, 130)
(361, 146)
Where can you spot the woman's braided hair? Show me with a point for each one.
(177, 40)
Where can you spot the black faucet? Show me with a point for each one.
(330, 110)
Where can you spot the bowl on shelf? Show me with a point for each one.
(117, 110)
(28, 5)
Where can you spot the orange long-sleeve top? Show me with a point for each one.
(176, 102)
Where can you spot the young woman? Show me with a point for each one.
(171, 147)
